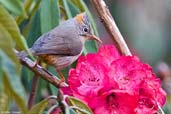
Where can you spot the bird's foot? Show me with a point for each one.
(37, 62)
(61, 76)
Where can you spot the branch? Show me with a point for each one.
(41, 71)
(112, 28)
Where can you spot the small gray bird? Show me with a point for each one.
(61, 46)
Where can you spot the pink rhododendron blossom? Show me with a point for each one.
(114, 102)
(113, 84)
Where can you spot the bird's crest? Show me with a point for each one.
(82, 18)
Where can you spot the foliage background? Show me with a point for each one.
(144, 24)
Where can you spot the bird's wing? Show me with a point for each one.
(57, 44)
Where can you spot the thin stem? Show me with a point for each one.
(52, 97)
(111, 26)
(33, 91)
(52, 108)
(160, 110)
(62, 104)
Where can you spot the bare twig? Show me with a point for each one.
(110, 25)
(52, 108)
(160, 111)
(43, 73)
(33, 91)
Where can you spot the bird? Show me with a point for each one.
(62, 45)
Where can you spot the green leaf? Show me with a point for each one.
(167, 107)
(39, 108)
(67, 9)
(6, 44)
(72, 111)
(90, 46)
(42, 87)
(78, 103)
(1, 82)
(8, 68)
(26, 76)
(65, 71)
(1, 73)
(27, 6)
(78, 4)
(73, 8)
(11, 82)
(4, 102)
(67, 111)
(25, 24)
(53, 89)
(55, 13)
(49, 15)
(14, 6)
(9, 24)
(35, 30)
(10, 90)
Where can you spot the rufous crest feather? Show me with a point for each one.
(80, 17)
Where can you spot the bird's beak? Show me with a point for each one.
(93, 37)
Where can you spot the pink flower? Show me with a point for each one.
(114, 84)
(114, 102)
(150, 96)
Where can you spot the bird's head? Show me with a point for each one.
(84, 27)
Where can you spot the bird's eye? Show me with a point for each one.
(85, 29)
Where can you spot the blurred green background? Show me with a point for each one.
(145, 25)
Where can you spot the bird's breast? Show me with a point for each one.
(59, 62)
